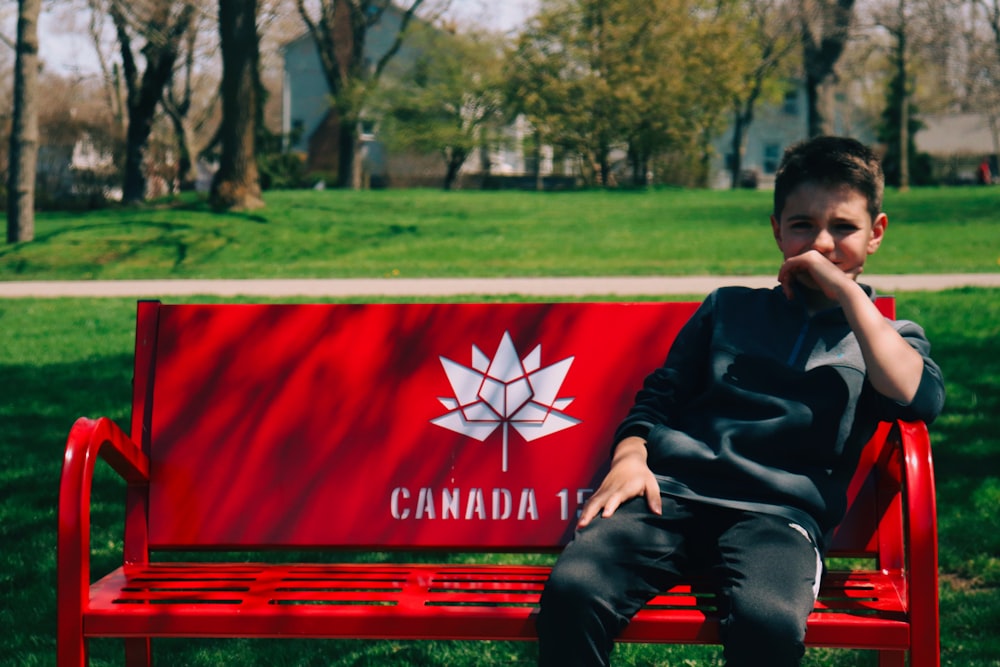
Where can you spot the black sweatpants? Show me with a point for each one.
(767, 571)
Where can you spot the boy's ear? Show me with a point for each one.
(776, 229)
(878, 232)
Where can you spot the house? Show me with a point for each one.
(958, 143)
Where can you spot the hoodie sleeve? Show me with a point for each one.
(681, 376)
(929, 399)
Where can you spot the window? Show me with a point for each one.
(791, 103)
(772, 153)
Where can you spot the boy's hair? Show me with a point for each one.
(830, 161)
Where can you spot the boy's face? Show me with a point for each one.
(834, 221)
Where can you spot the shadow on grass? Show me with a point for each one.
(38, 404)
(966, 449)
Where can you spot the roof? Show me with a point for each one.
(960, 133)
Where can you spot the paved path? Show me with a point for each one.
(566, 287)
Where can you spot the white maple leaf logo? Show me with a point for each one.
(506, 391)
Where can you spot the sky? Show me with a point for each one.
(502, 15)
(68, 50)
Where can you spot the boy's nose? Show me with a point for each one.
(823, 241)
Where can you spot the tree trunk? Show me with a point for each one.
(539, 177)
(140, 126)
(237, 183)
(904, 103)
(814, 116)
(740, 122)
(187, 170)
(453, 165)
(24, 131)
(345, 156)
(178, 110)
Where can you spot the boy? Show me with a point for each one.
(737, 453)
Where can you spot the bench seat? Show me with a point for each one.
(434, 601)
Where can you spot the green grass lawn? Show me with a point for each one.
(62, 358)
(418, 233)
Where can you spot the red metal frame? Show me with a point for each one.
(88, 440)
(899, 597)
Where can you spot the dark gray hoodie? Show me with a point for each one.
(761, 406)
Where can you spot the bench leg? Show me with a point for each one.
(892, 659)
(72, 654)
(138, 652)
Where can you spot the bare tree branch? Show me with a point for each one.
(404, 24)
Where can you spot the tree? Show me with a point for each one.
(340, 31)
(178, 106)
(991, 13)
(110, 70)
(825, 27)
(899, 124)
(449, 100)
(549, 81)
(602, 76)
(766, 45)
(160, 24)
(918, 38)
(191, 100)
(678, 114)
(237, 183)
(24, 130)
(897, 130)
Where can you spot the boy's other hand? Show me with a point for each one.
(629, 477)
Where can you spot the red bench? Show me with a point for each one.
(461, 427)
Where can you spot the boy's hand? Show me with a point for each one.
(817, 272)
(629, 477)
(894, 368)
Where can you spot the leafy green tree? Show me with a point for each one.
(693, 64)
(559, 77)
(642, 76)
(449, 101)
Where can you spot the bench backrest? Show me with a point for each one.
(464, 426)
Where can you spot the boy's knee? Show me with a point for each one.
(575, 624)
(572, 586)
(774, 636)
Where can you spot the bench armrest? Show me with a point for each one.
(920, 517)
(89, 439)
